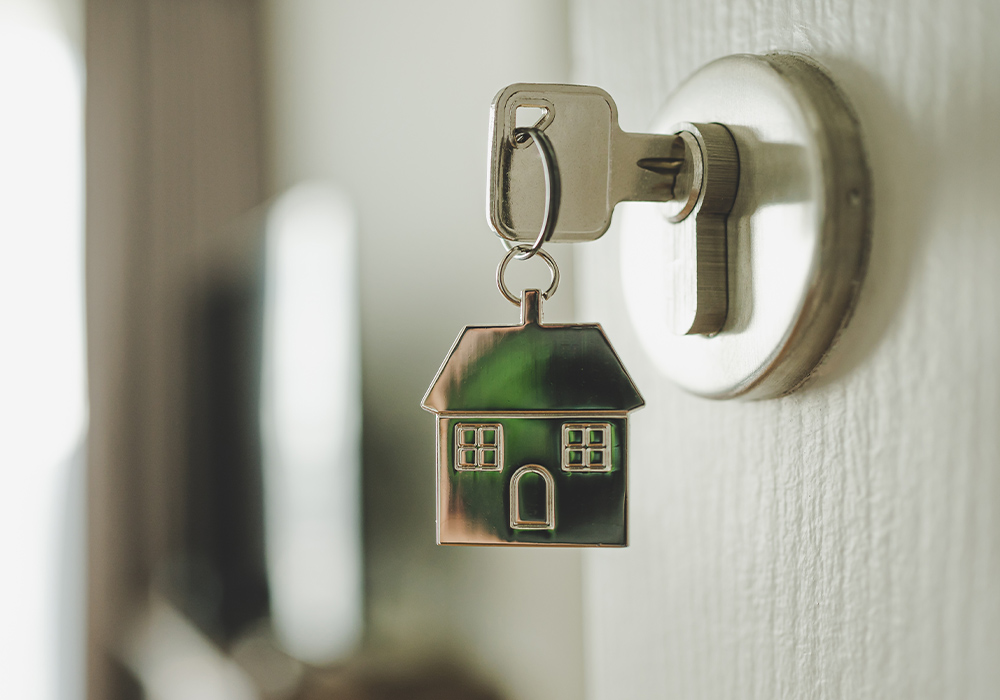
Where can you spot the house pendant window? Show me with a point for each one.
(586, 447)
(479, 447)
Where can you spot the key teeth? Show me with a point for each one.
(661, 166)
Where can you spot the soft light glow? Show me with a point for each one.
(43, 405)
(175, 661)
(310, 420)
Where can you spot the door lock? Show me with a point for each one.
(747, 240)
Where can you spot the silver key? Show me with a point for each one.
(599, 164)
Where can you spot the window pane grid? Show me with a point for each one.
(479, 447)
(586, 447)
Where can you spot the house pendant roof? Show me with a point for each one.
(532, 367)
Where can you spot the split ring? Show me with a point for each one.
(515, 252)
(553, 192)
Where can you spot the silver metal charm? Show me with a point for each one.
(532, 420)
(532, 434)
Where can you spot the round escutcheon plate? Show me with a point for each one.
(797, 236)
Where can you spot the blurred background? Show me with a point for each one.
(237, 238)
(225, 316)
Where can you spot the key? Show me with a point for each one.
(695, 170)
(599, 164)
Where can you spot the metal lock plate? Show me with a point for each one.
(599, 164)
(797, 237)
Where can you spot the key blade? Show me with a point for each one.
(645, 167)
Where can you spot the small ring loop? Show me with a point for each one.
(553, 191)
(512, 254)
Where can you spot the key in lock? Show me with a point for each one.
(694, 170)
(599, 164)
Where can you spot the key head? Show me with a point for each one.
(582, 124)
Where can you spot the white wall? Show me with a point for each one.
(391, 101)
(43, 383)
(843, 542)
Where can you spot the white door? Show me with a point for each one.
(843, 542)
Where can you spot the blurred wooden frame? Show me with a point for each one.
(173, 154)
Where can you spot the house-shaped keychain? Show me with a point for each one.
(532, 435)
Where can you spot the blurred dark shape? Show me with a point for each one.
(123, 683)
(365, 676)
(221, 577)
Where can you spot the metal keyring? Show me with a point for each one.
(512, 254)
(553, 192)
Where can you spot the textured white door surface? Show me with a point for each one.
(843, 542)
